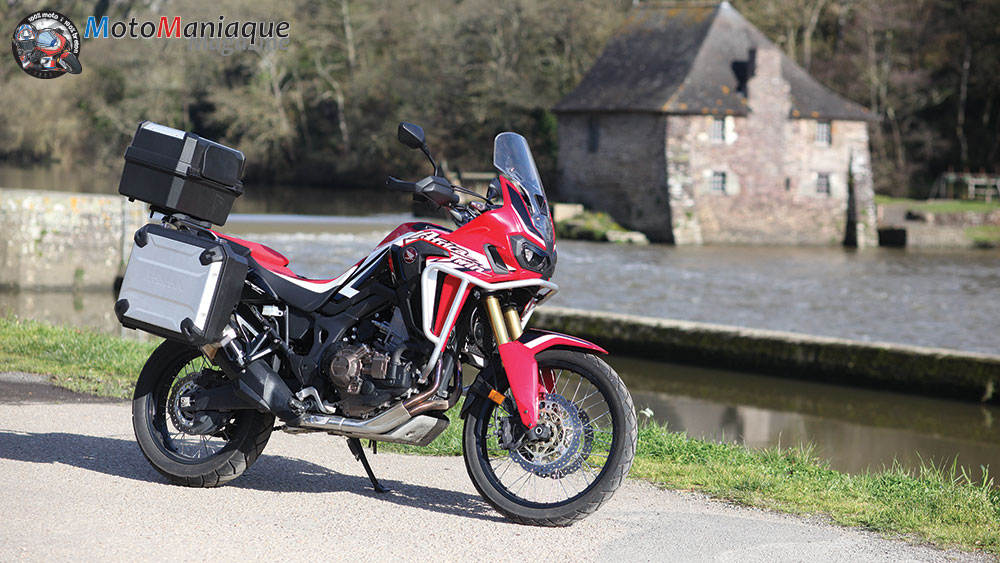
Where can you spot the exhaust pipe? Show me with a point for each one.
(391, 419)
(422, 402)
(385, 422)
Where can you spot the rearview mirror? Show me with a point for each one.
(493, 191)
(411, 135)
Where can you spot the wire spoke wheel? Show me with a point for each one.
(202, 448)
(190, 437)
(588, 423)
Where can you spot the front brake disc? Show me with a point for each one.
(566, 448)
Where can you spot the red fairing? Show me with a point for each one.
(526, 383)
(466, 248)
(408, 228)
(466, 245)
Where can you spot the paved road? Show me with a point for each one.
(74, 486)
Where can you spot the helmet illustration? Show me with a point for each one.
(25, 37)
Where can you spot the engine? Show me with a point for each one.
(370, 369)
(354, 369)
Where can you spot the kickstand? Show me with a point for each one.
(359, 454)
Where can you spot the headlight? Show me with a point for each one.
(533, 258)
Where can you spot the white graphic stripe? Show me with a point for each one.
(317, 287)
(548, 337)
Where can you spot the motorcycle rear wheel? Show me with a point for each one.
(570, 475)
(71, 63)
(191, 459)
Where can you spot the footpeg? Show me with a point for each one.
(359, 454)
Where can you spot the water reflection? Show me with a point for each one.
(257, 198)
(86, 309)
(856, 429)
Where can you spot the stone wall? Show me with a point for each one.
(60, 240)
(771, 165)
(625, 173)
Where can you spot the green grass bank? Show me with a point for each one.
(940, 205)
(942, 505)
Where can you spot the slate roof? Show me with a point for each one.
(692, 59)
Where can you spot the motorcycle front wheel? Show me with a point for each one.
(591, 439)
(204, 449)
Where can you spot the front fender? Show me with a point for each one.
(519, 363)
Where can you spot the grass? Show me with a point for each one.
(939, 504)
(79, 359)
(940, 205)
(943, 505)
(984, 235)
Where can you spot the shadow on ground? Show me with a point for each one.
(122, 458)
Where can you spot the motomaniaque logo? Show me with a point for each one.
(46, 44)
(223, 36)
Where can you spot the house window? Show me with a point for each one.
(718, 129)
(823, 135)
(718, 183)
(823, 184)
(593, 135)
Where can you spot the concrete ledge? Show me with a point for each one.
(935, 372)
(63, 240)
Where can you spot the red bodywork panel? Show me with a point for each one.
(408, 228)
(526, 383)
(268, 258)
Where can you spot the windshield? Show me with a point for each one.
(48, 38)
(512, 157)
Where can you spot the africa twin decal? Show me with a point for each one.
(462, 258)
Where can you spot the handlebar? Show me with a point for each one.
(401, 185)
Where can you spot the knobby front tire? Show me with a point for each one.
(193, 460)
(570, 475)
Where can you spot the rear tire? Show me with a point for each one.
(193, 460)
(576, 473)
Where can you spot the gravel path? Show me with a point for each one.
(75, 487)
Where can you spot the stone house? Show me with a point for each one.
(693, 127)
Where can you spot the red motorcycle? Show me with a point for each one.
(46, 50)
(377, 352)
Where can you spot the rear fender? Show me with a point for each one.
(526, 384)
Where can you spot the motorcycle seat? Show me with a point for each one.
(300, 292)
(265, 255)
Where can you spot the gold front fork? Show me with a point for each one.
(506, 324)
(513, 323)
